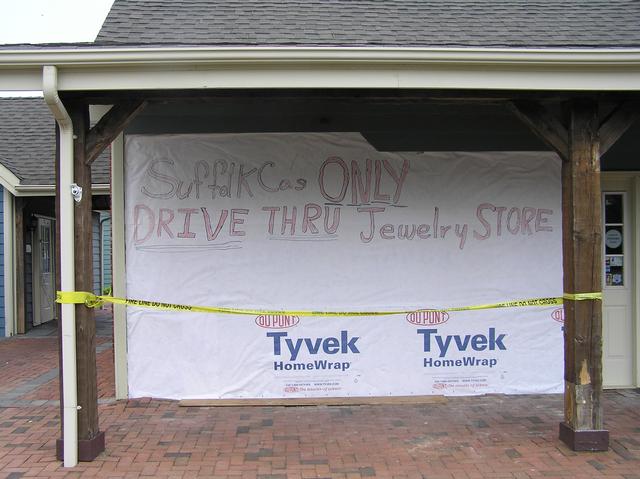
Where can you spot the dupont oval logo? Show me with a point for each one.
(558, 315)
(427, 318)
(277, 321)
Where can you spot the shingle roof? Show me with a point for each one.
(27, 142)
(426, 23)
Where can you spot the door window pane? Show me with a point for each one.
(614, 239)
(613, 208)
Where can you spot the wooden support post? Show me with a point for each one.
(580, 146)
(90, 438)
(87, 145)
(582, 428)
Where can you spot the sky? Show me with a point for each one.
(50, 21)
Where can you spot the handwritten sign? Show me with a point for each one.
(323, 221)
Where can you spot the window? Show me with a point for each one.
(614, 239)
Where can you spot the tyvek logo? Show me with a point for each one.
(477, 342)
(312, 347)
(342, 345)
(466, 343)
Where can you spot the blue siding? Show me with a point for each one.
(2, 319)
(97, 267)
(105, 218)
(101, 247)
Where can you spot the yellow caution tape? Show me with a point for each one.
(582, 296)
(91, 300)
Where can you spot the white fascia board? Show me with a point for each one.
(50, 190)
(351, 77)
(291, 67)
(20, 79)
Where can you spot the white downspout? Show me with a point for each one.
(9, 270)
(67, 263)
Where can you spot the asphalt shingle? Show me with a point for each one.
(388, 23)
(27, 142)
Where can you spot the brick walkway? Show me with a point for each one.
(29, 366)
(478, 437)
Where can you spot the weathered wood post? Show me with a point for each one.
(88, 143)
(580, 139)
(90, 438)
(582, 428)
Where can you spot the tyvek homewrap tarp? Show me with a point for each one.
(324, 222)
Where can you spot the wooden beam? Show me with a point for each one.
(90, 439)
(109, 127)
(582, 266)
(616, 123)
(544, 124)
(200, 95)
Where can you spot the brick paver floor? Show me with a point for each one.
(476, 437)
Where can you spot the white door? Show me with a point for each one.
(44, 273)
(618, 354)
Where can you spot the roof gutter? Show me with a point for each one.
(67, 266)
(175, 68)
(88, 56)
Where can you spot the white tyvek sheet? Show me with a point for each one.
(481, 254)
